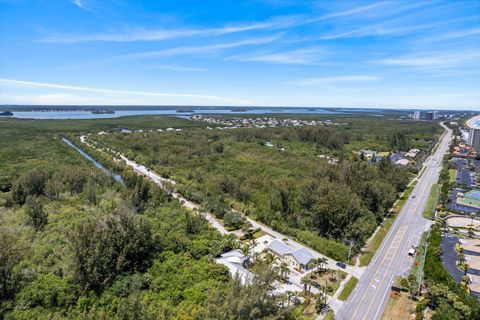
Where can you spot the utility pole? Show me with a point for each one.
(350, 250)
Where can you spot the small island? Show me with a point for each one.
(103, 112)
(6, 113)
(239, 109)
(185, 110)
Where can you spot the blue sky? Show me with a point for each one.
(416, 54)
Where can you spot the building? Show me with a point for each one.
(298, 258)
(474, 139)
(412, 153)
(431, 115)
(471, 249)
(234, 261)
(470, 198)
(394, 157)
(402, 162)
(417, 115)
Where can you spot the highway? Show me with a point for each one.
(369, 298)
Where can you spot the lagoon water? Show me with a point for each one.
(171, 112)
(97, 164)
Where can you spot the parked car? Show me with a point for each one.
(342, 265)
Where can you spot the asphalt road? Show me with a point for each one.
(369, 298)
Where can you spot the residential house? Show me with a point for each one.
(298, 258)
(402, 162)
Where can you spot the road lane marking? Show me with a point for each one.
(405, 210)
(401, 230)
(396, 250)
(373, 299)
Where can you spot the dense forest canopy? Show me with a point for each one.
(76, 244)
(288, 186)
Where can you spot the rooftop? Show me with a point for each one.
(279, 247)
(303, 256)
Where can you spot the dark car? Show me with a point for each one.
(342, 265)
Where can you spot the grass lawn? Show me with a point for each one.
(330, 315)
(258, 234)
(374, 243)
(432, 202)
(418, 263)
(452, 173)
(399, 307)
(349, 286)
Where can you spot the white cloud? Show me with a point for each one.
(300, 56)
(334, 79)
(348, 12)
(32, 84)
(180, 68)
(78, 3)
(200, 49)
(454, 35)
(140, 34)
(446, 60)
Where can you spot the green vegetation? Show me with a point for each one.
(431, 206)
(347, 290)
(377, 239)
(287, 186)
(329, 316)
(452, 175)
(445, 297)
(74, 244)
(328, 280)
(36, 142)
(417, 267)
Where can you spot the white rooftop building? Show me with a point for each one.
(299, 258)
(233, 260)
(402, 162)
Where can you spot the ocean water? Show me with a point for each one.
(172, 112)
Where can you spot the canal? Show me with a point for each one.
(97, 164)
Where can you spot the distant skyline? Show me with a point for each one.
(398, 54)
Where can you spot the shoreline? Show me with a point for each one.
(471, 122)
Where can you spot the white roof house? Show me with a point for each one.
(302, 256)
(233, 260)
(298, 257)
(410, 154)
(402, 162)
(279, 247)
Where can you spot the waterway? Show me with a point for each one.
(59, 115)
(97, 164)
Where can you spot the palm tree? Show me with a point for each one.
(253, 243)
(269, 258)
(309, 285)
(443, 224)
(322, 261)
(284, 270)
(246, 251)
(304, 281)
(290, 296)
(470, 231)
(321, 304)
